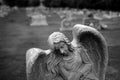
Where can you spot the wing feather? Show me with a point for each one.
(35, 64)
(95, 44)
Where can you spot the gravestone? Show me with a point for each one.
(38, 20)
(94, 23)
(66, 23)
(4, 10)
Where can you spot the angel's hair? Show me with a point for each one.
(56, 37)
(55, 58)
(53, 61)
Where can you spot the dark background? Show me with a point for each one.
(92, 4)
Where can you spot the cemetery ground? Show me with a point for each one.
(17, 36)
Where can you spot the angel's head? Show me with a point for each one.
(60, 43)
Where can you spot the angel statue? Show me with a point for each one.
(85, 58)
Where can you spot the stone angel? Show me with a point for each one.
(85, 58)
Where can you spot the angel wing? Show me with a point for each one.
(35, 64)
(96, 47)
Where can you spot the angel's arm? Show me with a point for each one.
(85, 67)
(63, 72)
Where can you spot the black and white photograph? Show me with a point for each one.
(59, 40)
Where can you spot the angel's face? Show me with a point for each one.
(62, 46)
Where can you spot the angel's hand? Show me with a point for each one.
(64, 73)
(76, 76)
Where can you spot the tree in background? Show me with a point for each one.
(22, 3)
(93, 4)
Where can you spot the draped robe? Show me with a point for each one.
(77, 67)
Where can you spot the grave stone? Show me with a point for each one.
(4, 10)
(38, 20)
(94, 23)
(67, 24)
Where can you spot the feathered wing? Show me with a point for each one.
(96, 47)
(35, 64)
